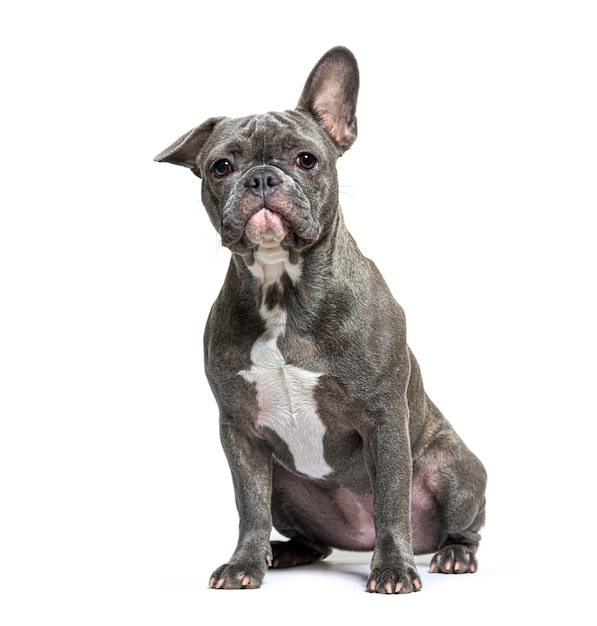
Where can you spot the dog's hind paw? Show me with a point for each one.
(454, 559)
(292, 553)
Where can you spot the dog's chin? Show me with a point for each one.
(267, 228)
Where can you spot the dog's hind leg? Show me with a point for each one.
(448, 504)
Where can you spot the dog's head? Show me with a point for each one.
(271, 178)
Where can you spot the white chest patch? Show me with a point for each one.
(285, 392)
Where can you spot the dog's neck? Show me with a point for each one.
(281, 277)
(271, 262)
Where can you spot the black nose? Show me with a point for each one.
(262, 182)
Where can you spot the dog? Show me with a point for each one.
(328, 432)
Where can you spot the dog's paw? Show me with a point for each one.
(394, 580)
(454, 559)
(238, 576)
(292, 553)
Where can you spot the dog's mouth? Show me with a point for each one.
(267, 226)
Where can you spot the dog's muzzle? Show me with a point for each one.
(268, 206)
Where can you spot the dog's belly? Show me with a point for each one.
(335, 516)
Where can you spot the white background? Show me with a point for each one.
(472, 185)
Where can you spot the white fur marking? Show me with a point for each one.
(285, 392)
(271, 261)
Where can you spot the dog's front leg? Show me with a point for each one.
(250, 462)
(389, 462)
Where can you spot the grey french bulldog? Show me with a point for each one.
(327, 429)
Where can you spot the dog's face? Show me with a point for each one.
(271, 179)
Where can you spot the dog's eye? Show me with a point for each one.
(306, 161)
(222, 168)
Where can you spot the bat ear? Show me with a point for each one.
(185, 150)
(330, 95)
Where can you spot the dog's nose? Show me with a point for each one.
(262, 182)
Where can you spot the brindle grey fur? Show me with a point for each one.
(402, 480)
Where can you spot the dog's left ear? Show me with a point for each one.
(185, 150)
(330, 94)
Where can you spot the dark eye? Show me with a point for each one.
(221, 168)
(306, 161)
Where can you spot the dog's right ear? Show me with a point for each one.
(185, 150)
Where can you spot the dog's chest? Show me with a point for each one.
(285, 392)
